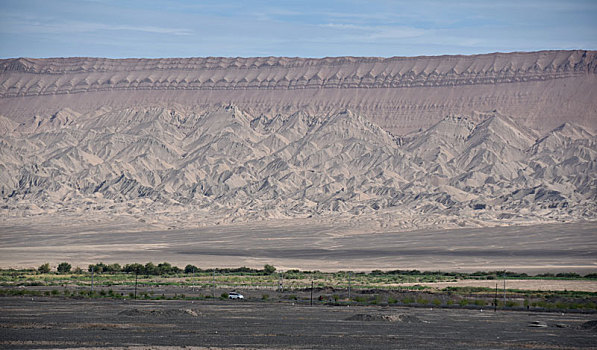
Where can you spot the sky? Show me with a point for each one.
(307, 28)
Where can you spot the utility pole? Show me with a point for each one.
(349, 286)
(311, 292)
(136, 273)
(504, 288)
(495, 299)
(213, 282)
(92, 271)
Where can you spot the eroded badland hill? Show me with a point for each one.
(408, 142)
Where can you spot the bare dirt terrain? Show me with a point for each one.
(62, 323)
(522, 284)
(297, 244)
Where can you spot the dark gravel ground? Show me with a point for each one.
(61, 323)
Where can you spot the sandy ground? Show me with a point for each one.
(308, 246)
(59, 323)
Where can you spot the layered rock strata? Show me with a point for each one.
(540, 89)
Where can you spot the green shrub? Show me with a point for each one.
(113, 268)
(64, 267)
(134, 268)
(480, 302)
(463, 302)
(264, 297)
(436, 302)
(150, 269)
(268, 269)
(44, 268)
(191, 269)
(568, 275)
(224, 296)
(408, 300)
(360, 299)
(97, 268)
(422, 301)
(376, 300)
(392, 300)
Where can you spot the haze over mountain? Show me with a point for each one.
(408, 142)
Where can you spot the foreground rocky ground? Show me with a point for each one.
(88, 323)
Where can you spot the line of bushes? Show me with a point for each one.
(166, 268)
(149, 268)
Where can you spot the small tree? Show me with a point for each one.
(45, 268)
(269, 269)
(64, 267)
(150, 269)
(113, 268)
(133, 268)
(164, 268)
(191, 269)
(98, 268)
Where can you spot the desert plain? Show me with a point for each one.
(448, 163)
(299, 244)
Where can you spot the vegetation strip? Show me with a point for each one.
(165, 281)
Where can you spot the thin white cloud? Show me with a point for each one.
(45, 25)
(362, 32)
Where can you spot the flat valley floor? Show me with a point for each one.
(304, 245)
(93, 323)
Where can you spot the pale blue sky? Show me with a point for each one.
(307, 28)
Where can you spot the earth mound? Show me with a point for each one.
(590, 325)
(386, 318)
(136, 312)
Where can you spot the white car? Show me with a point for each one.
(235, 295)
